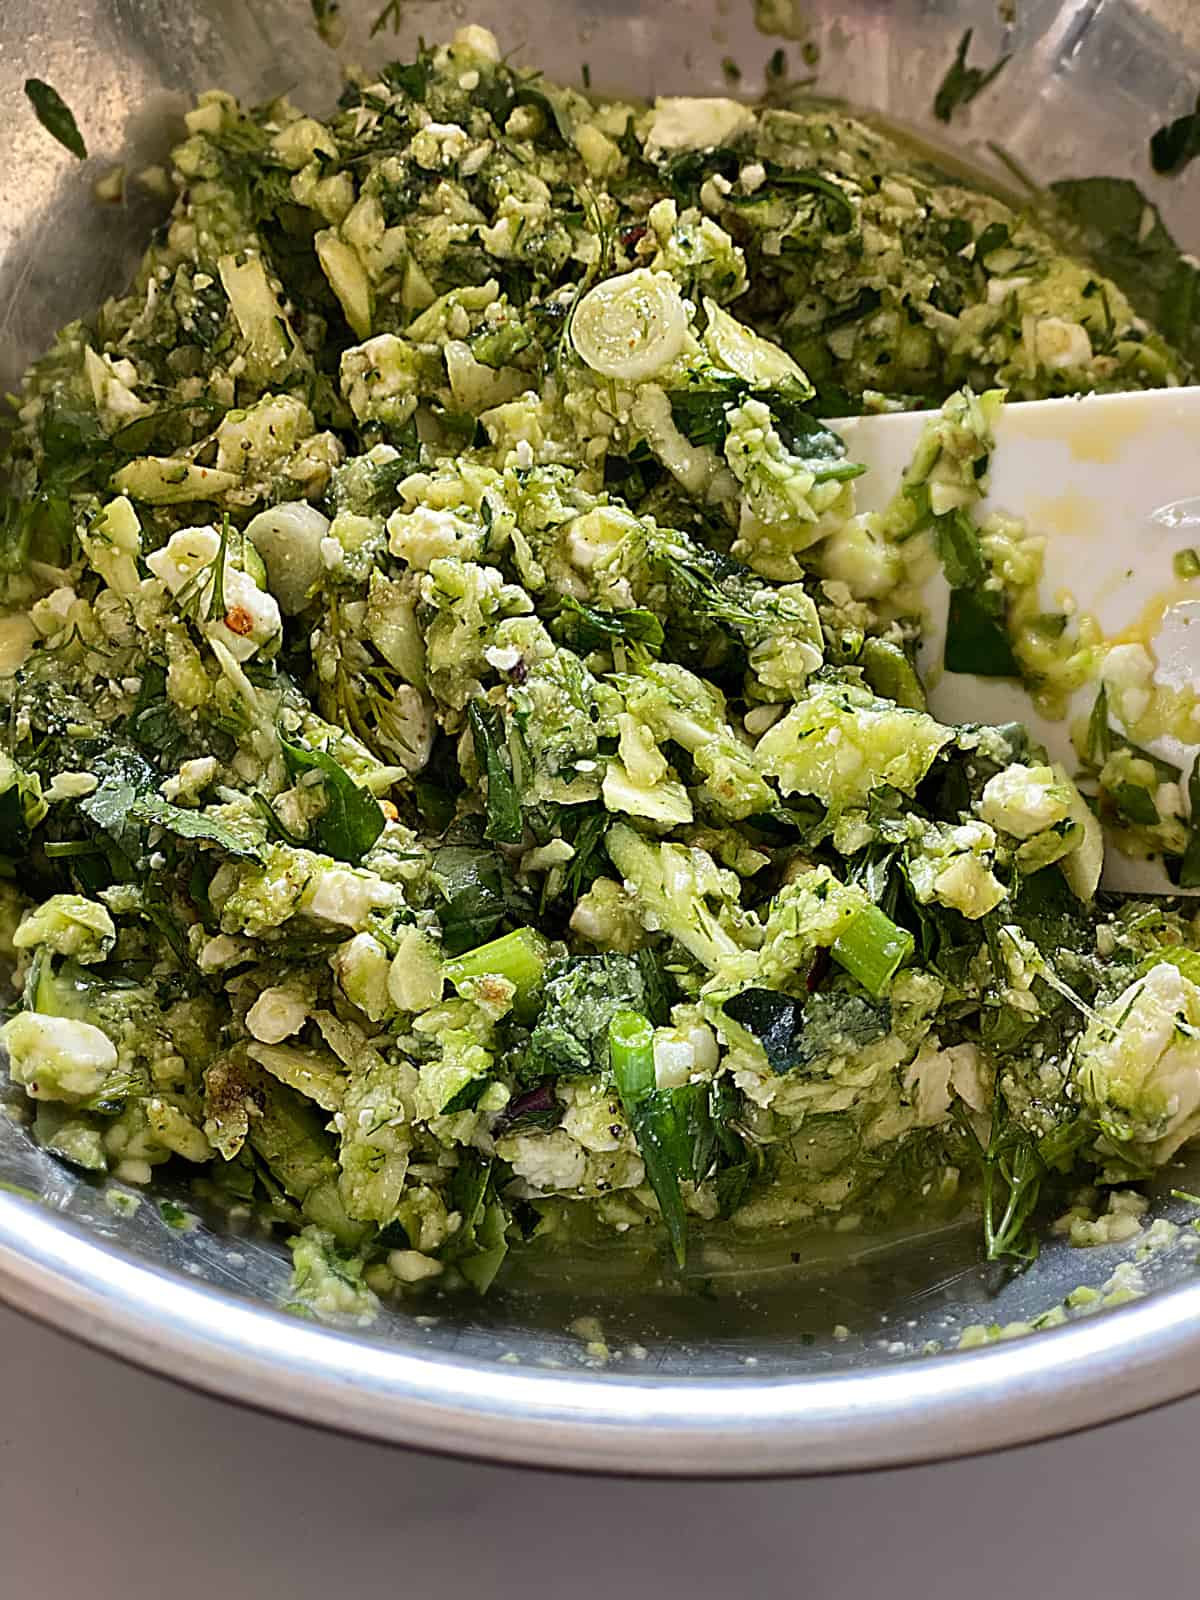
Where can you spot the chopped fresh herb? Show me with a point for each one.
(1135, 804)
(410, 78)
(962, 83)
(352, 819)
(800, 1033)
(241, 838)
(330, 24)
(699, 411)
(467, 1098)
(1014, 1167)
(588, 845)
(835, 204)
(581, 996)
(125, 779)
(56, 116)
(1099, 734)
(471, 883)
(1186, 564)
(1175, 145)
(391, 16)
(590, 628)
(976, 637)
(1114, 222)
(504, 823)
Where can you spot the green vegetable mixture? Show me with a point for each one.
(464, 774)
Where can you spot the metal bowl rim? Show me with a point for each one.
(915, 1410)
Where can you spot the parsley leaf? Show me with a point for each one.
(476, 893)
(240, 838)
(410, 78)
(352, 820)
(976, 636)
(976, 630)
(56, 116)
(125, 777)
(700, 411)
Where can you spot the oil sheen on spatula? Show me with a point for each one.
(1113, 484)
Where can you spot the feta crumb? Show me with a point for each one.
(276, 1015)
(410, 1266)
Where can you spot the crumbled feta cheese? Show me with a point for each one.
(190, 782)
(685, 123)
(222, 950)
(1057, 343)
(277, 1014)
(551, 1163)
(345, 897)
(410, 1266)
(71, 785)
(1025, 800)
(57, 1058)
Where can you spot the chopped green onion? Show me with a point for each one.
(520, 957)
(872, 949)
(1187, 563)
(631, 1048)
(891, 674)
(658, 1117)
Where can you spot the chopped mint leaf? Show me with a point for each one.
(56, 116)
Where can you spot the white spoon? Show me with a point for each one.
(1113, 482)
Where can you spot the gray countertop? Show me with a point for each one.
(111, 1480)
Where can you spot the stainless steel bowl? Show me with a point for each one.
(745, 1377)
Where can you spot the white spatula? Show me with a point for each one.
(1113, 482)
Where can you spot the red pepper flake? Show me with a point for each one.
(238, 620)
